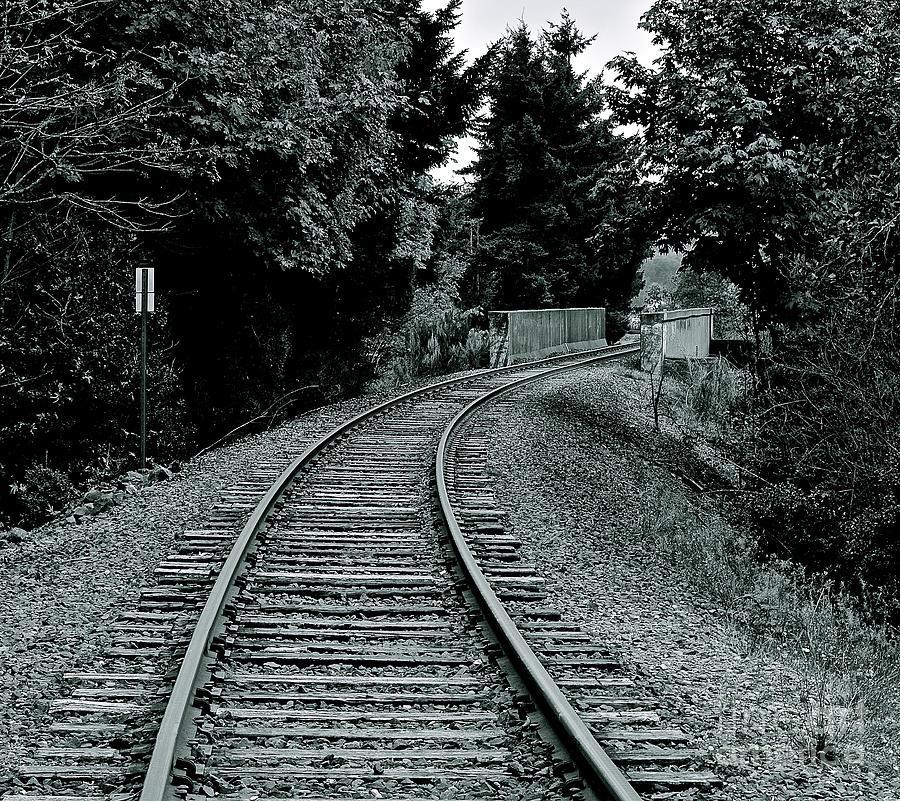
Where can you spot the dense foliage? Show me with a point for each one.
(771, 133)
(271, 162)
(268, 160)
(79, 134)
(554, 189)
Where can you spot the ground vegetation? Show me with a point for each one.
(784, 687)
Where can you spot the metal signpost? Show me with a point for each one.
(144, 295)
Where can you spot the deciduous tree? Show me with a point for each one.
(770, 132)
(750, 114)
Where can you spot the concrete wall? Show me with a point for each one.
(520, 336)
(678, 334)
(687, 333)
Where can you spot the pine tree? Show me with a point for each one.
(438, 96)
(550, 175)
(441, 93)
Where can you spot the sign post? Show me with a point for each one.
(144, 302)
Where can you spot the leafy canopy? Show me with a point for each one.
(750, 114)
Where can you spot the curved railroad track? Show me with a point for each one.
(328, 650)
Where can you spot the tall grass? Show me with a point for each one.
(711, 388)
(841, 678)
(839, 685)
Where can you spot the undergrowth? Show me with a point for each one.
(433, 338)
(704, 393)
(844, 671)
(841, 678)
(443, 343)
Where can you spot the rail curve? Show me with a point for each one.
(599, 770)
(158, 782)
(338, 629)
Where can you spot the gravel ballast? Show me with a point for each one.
(573, 472)
(572, 488)
(65, 584)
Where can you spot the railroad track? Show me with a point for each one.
(316, 640)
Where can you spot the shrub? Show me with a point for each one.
(617, 325)
(702, 394)
(436, 341)
(42, 493)
(437, 344)
(478, 348)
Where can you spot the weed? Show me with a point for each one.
(842, 675)
(711, 389)
(477, 348)
(437, 340)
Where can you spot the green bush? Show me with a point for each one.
(441, 344)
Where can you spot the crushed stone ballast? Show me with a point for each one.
(326, 648)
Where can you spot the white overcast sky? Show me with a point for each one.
(614, 22)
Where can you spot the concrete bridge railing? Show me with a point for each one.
(675, 334)
(519, 336)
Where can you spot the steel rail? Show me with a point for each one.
(597, 768)
(158, 780)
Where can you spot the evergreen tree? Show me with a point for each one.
(440, 93)
(549, 179)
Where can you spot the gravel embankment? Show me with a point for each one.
(570, 461)
(62, 587)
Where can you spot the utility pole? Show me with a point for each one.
(143, 304)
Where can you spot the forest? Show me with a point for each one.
(272, 162)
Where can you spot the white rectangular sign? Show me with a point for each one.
(139, 287)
